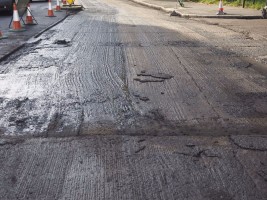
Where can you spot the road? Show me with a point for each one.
(133, 104)
(39, 11)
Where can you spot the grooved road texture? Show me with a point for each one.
(125, 167)
(134, 104)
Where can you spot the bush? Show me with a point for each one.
(257, 4)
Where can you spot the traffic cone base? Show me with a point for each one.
(18, 30)
(50, 14)
(58, 9)
(2, 36)
(16, 27)
(221, 13)
(29, 20)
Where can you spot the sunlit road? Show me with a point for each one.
(148, 90)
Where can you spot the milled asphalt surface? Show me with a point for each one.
(124, 167)
(124, 102)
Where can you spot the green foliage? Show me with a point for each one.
(181, 3)
(258, 4)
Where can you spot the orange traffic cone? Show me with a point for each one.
(50, 11)
(58, 8)
(16, 20)
(2, 36)
(220, 11)
(29, 19)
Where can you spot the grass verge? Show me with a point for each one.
(256, 4)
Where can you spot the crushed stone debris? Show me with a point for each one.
(190, 145)
(144, 98)
(62, 42)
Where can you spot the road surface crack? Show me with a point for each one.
(199, 154)
(251, 147)
(140, 149)
(79, 132)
